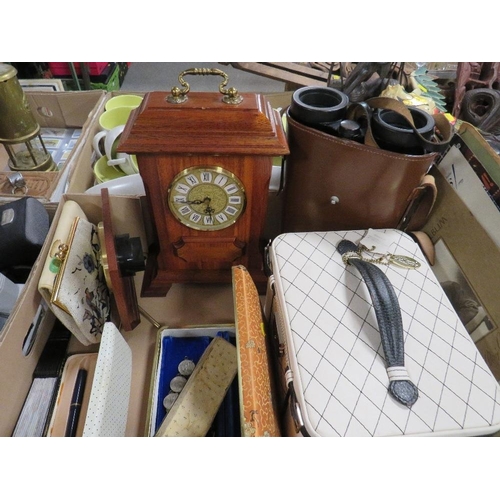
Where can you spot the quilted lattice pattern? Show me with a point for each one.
(339, 368)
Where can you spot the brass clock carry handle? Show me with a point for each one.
(178, 95)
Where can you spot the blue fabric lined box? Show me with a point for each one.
(175, 345)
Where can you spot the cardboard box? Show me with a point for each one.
(184, 306)
(279, 99)
(467, 256)
(463, 227)
(70, 110)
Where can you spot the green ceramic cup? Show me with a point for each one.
(114, 117)
(125, 100)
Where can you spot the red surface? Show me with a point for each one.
(62, 68)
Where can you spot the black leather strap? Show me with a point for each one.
(390, 323)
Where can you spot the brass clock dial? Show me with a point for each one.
(206, 198)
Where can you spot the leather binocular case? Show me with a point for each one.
(332, 183)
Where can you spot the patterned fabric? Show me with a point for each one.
(83, 293)
(256, 403)
(336, 354)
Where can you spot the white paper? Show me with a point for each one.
(110, 395)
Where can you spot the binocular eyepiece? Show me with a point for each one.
(325, 109)
(329, 110)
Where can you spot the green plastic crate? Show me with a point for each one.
(113, 82)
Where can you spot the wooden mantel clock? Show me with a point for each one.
(205, 160)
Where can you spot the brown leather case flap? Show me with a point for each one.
(336, 184)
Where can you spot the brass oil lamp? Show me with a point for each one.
(19, 130)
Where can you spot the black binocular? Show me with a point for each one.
(330, 111)
(325, 109)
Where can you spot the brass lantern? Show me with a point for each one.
(19, 130)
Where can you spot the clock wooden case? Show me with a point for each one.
(205, 159)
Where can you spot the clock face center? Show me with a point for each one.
(206, 198)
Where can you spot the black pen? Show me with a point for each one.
(76, 403)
